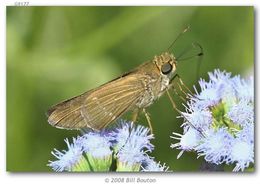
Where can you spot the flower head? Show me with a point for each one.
(96, 144)
(215, 146)
(187, 141)
(127, 133)
(245, 110)
(132, 145)
(149, 165)
(242, 154)
(66, 159)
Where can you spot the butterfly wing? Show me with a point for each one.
(101, 106)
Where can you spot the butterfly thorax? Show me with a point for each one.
(155, 84)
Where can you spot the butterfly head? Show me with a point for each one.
(166, 63)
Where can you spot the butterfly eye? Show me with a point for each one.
(166, 68)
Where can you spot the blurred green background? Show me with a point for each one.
(54, 53)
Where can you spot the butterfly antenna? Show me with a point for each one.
(180, 34)
(200, 53)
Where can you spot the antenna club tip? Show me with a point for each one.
(186, 29)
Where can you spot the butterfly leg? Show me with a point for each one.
(135, 115)
(181, 113)
(173, 103)
(171, 85)
(180, 96)
(182, 85)
(176, 82)
(148, 120)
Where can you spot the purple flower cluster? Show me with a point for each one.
(66, 159)
(127, 144)
(219, 121)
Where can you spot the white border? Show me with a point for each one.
(29, 179)
(136, 2)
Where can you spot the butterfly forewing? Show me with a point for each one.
(99, 107)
